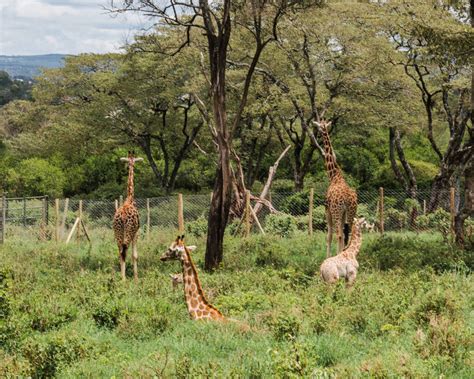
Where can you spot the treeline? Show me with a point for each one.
(394, 78)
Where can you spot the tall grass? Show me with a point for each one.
(66, 313)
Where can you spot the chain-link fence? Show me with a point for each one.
(283, 212)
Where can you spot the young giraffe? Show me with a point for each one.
(341, 200)
(198, 306)
(126, 222)
(344, 265)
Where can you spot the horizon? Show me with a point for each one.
(64, 27)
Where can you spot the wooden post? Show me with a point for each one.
(63, 223)
(120, 200)
(45, 210)
(56, 210)
(452, 208)
(4, 219)
(24, 211)
(180, 213)
(116, 204)
(148, 220)
(78, 236)
(424, 207)
(310, 212)
(381, 210)
(247, 213)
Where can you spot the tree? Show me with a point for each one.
(216, 20)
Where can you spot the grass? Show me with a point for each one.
(66, 313)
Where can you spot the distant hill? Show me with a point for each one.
(28, 66)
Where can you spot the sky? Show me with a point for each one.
(31, 27)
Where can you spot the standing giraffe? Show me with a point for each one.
(341, 200)
(344, 264)
(126, 221)
(198, 306)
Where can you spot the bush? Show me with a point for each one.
(413, 253)
(296, 204)
(48, 354)
(439, 220)
(34, 177)
(107, 315)
(197, 228)
(283, 225)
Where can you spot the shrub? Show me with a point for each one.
(296, 204)
(35, 176)
(282, 225)
(47, 355)
(107, 315)
(285, 327)
(412, 253)
(439, 220)
(198, 227)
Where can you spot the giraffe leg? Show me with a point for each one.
(350, 278)
(340, 235)
(122, 255)
(329, 235)
(135, 259)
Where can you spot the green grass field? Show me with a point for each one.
(66, 313)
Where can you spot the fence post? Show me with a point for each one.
(63, 224)
(78, 235)
(24, 211)
(56, 210)
(310, 211)
(46, 210)
(180, 213)
(4, 218)
(120, 200)
(247, 213)
(116, 204)
(381, 210)
(452, 208)
(424, 207)
(148, 219)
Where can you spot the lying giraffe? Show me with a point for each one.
(198, 306)
(344, 264)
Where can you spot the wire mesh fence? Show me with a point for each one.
(384, 211)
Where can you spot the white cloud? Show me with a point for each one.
(30, 27)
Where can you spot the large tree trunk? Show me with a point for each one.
(218, 41)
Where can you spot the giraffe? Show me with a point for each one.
(126, 221)
(344, 264)
(198, 306)
(341, 200)
(176, 279)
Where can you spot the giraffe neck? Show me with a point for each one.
(356, 241)
(130, 186)
(332, 168)
(194, 296)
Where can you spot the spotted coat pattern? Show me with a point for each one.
(341, 200)
(126, 224)
(344, 264)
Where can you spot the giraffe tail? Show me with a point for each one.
(123, 251)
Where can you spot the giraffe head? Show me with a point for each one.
(176, 250)
(131, 159)
(322, 125)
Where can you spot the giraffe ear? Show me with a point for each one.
(191, 248)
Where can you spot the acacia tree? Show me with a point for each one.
(437, 59)
(131, 98)
(215, 20)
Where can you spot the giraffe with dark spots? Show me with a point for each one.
(126, 221)
(341, 200)
(198, 306)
